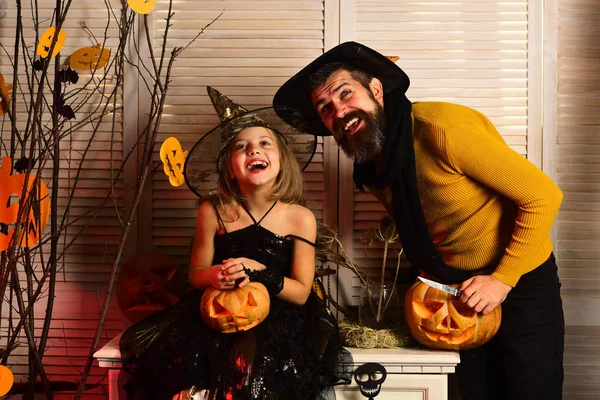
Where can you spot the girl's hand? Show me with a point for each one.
(217, 278)
(233, 270)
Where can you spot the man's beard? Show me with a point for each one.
(367, 142)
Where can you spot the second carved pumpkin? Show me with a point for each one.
(440, 320)
(235, 310)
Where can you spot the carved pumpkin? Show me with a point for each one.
(11, 188)
(4, 88)
(141, 6)
(148, 283)
(439, 320)
(89, 58)
(46, 40)
(235, 310)
(173, 158)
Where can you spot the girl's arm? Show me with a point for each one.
(297, 287)
(202, 273)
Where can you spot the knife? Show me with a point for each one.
(440, 286)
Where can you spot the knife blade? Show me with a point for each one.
(441, 286)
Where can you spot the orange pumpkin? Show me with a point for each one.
(11, 188)
(235, 310)
(89, 58)
(43, 47)
(440, 320)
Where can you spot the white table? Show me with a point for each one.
(412, 373)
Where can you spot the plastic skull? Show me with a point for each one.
(369, 378)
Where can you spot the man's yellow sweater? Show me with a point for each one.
(484, 203)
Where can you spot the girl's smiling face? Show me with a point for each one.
(255, 157)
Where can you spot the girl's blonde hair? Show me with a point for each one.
(289, 184)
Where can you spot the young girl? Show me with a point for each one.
(253, 229)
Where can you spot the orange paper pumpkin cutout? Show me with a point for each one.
(46, 40)
(141, 6)
(6, 380)
(34, 221)
(173, 158)
(440, 320)
(4, 88)
(89, 58)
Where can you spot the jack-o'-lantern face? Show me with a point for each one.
(141, 6)
(43, 47)
(89, 58)
(235, 310)
(35, 212)
(440, 320)
(173, 158)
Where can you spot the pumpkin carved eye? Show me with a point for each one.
(439, 320)
(235, 310)
(218, 310)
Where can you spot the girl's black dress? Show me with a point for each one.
(295, 353)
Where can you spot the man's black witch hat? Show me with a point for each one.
(295, 93)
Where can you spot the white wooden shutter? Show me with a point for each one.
(83, 271)
(246, 54)
(575, 128)
(468, 52)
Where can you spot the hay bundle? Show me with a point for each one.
(354, 335)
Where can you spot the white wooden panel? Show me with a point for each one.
(573, 145)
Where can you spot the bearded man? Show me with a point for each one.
(468, 209)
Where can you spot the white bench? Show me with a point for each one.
(412, 373)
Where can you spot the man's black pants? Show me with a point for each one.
(524, 361)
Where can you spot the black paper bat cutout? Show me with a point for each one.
(38, 65)
(23, 164)
(68, 75)
(64, 109)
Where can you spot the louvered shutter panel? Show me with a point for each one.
(577, 172)
(84, 267)
(246, 54)
(465, 52)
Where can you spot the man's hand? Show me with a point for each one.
(484, 293)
